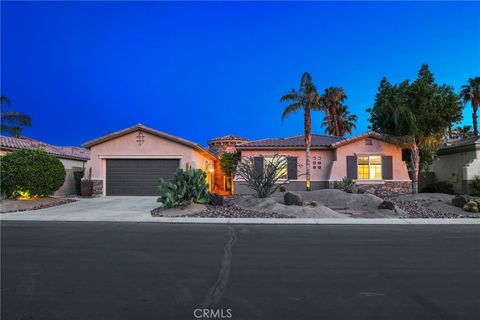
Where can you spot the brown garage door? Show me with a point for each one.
(138, 177)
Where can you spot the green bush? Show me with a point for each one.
(282, 189)
(439, 187)
(30, 172)
(78, 175)
(187, 186)
(471, 206)
(346, 184)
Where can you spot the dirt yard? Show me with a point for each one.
(11, 205)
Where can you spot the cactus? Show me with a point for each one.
(187, 186)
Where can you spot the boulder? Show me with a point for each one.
(460, 200)
(387, 205)
(216, 199)
(291, 198)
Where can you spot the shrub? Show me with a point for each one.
(78, 175)
(266, 182)
(346, 184)
(187, 186)
(313, 203)
(282, 188)
(476, 186)
(471, 206)
(439, 187)
(31, 173)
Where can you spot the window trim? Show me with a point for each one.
(381, 167)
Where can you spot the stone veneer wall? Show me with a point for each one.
(97, 187)
(388, 188)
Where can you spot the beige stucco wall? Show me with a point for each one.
(457, 168)
(153, 147)
(378, 147)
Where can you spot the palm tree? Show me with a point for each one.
(346, 121)
(13, 121)
(331, 100)
(305, 98)
(471, 93)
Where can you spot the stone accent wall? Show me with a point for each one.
(387, 189)
(97, 187)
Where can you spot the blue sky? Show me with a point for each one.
(200, 70)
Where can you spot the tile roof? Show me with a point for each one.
(11, 143)
(318, 141)
(228, 137)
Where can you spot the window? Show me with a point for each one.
(369, 167)
(283, 172)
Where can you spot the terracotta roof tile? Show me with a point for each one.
(11, 143)
(228, 137)
(318, 141)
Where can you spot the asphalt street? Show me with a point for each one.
(100, 270)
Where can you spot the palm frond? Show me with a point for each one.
(291, 109)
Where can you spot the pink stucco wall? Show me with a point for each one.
(317, 174)
(153, 147)
(334, 167)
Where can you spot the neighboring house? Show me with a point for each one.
(72, 158)
(131, 161)
(458, 162)
(368, 159)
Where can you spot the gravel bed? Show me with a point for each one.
(230, 210)
(414, 210)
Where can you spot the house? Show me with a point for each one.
(72, 158)
(131, 161)
(458, 162)
(369, 159)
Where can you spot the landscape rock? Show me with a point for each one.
(460, 200)
(291, 198)
(387, 205)
(216, 199)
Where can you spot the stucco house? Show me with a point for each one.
(72, 158)
(458, 162)
(369, 159)
(130, 161)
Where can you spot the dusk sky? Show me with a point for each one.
(201, 70)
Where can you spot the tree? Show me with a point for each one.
(12, 122)
(471, 93)
(416, 114)
(306, 98)
(229, 162)
(332, 101)
(346, 122)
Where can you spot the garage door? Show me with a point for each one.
(138, 177)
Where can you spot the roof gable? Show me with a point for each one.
(141, 127)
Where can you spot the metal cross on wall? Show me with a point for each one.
(140, 138)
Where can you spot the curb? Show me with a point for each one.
(262, 221)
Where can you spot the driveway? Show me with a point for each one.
(94, 209)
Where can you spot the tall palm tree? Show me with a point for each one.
(471, 93)
(346, 121)
(305, 98)
(331, 99)
(12, 122)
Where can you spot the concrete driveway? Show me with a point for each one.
(94, 209)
